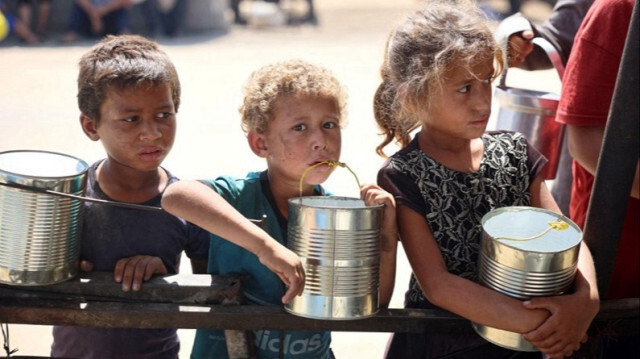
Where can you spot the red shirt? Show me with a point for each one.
(587, 90)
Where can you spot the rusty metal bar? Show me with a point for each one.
(617, 164)
(177, 289)
(619, 315)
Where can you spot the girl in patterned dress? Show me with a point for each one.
(436, 77)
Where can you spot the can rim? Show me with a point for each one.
(83, 164)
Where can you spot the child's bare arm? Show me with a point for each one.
(132, 271)
(454, 293)
(374, 195)
(563, 332)
(566, 328)
(199, 204)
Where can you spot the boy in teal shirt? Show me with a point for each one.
(292, 113)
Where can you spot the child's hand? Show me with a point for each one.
(373, 195)
(287, 266)
(132, 271)
(566, 329)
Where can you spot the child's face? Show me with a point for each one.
(304, 130)
(462, 108)
(137, 126)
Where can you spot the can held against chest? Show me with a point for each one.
(526, 252)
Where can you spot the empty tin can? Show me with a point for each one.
(39, 233)
(338, 241)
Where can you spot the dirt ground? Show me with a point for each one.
(38, 110)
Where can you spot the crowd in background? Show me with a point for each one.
(28, 20)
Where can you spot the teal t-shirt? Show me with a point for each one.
(263, 286)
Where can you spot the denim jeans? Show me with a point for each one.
(115, 22)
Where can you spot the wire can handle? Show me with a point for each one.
(331, 164)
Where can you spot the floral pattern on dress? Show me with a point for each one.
(456, 201)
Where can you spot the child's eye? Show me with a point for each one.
(329, 125)
(488, 80)
(165, 115)
(300, 127)
(465, 89)
(131, 119)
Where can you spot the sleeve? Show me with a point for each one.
(590, 79)
(197, 246)
(535, 160)
(403, 189)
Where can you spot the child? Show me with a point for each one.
(292, 114)
(128, 94)
(437, 75)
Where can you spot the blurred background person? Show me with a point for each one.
(164, 17)
(10, 24)
(42, 10)
(97, 18)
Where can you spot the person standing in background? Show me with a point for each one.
(515, 34)
(588, 86)
(25, 12)
(98, 18)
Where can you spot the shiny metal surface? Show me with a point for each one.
(529, 113)
(503, 338)
(532, 113)
(542, 263)
(338, 240)
(39, 233)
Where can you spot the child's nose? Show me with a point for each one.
(483, 100)
(150, 131)
(319, 141)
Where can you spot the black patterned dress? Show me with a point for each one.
(453, 203)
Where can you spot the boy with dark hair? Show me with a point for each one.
(128, 95)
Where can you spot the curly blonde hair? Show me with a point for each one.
(442, 35)
(292, 77)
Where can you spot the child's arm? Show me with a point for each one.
(374, 195)
(454, 293)
(571, 314)
(199, 204)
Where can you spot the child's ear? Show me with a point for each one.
(89, 127)
(257, 143)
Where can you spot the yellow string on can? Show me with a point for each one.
(558, 225)
(330, 164)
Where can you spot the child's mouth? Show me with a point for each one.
(151, 155)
